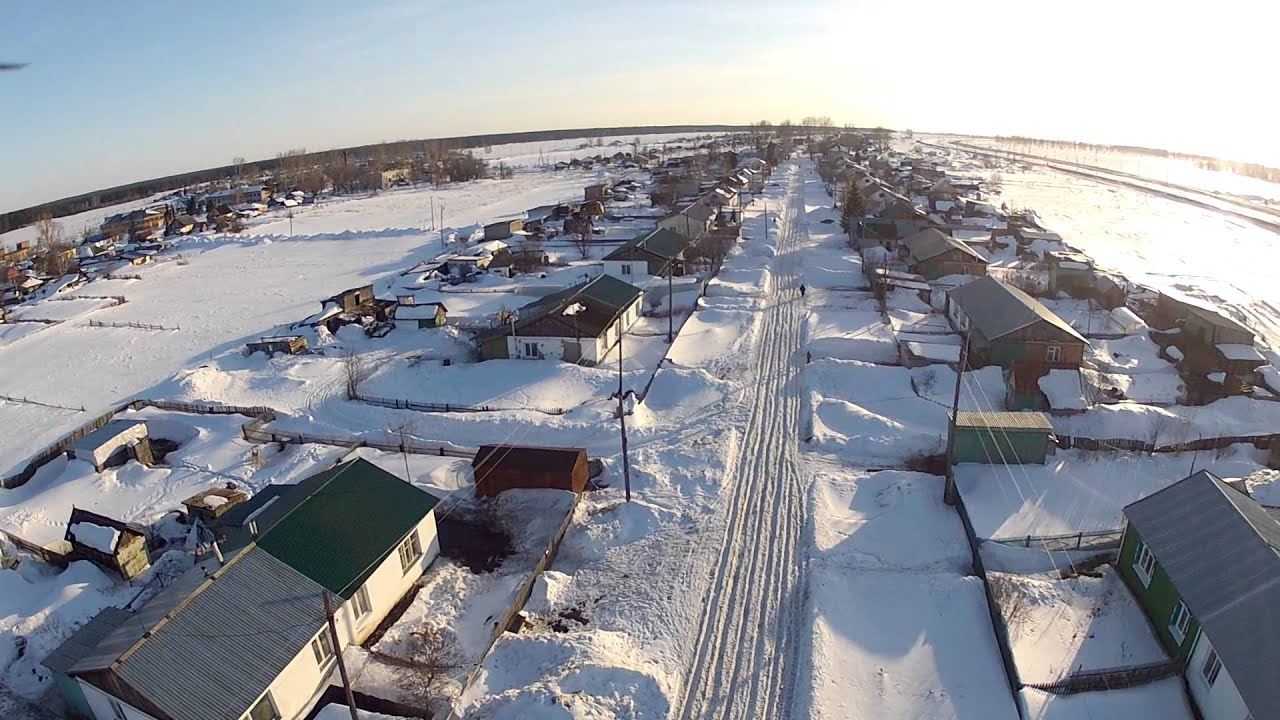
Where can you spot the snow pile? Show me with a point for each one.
(1063, 389)
(1130, 355)
(851, 335)
(1164, 699)
(1058, 627)
(1156, 388)
(335, 711)
(1229, 417)
(99, 537)
(870, 413)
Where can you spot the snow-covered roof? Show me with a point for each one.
(1063, 390)
(98, 537)
(1233, 351)
(425, 311)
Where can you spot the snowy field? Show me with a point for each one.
(1077, 491)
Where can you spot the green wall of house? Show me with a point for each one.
(977, 445)
(1157, 599)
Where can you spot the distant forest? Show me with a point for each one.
(1206, 162)
(146, 188)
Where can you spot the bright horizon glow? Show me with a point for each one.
(119, 92)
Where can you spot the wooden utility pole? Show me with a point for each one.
(949, 493)
(671, 308)
(337, 652)
(622, 422)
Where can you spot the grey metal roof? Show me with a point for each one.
(85, 640)
(932, 242)
(606, 290)
(213, 654)
(1221, 549)
(1003, 420)
(662, 243)
(997, 308)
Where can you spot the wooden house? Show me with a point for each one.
(505, 467)
(598, 192)
(1008, 327)
(106, 542)
(655, 253)
(693, 221)
(579, 324)
(287, 344)
(1202, 559)
(932, 254)
(209, 505)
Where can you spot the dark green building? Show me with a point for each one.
(1019, 438)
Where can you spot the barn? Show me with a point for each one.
(505, 467)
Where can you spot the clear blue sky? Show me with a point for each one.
(127, 90)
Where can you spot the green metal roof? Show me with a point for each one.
(347, 525)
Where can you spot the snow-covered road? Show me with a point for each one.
(745, 651)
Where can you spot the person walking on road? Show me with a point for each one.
(801, 291)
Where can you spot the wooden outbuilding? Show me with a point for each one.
(505, 467)
(209, 505)
(107, 542)
(287, 344)
(113, 444)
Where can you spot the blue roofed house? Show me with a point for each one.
(1203, 560)
(247, 638)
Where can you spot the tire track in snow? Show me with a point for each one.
(743, 654)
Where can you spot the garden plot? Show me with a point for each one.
(908, 321)
(1062, 626)
(1085, 316)
(895, 629)
(1129, 355)
(1154, 388)
(851, 335)
(1161, 700)
(1077, 491)
(982, 389)
(870, 414)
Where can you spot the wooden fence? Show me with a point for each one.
(1067, 442)
(133, 325)
(116, 299)
(1110, 678)
(29, 401)
(399, 404)
(1101, 540)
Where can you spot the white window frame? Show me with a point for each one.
(360, 602)
(117, 710)
(1180, 622)
(626, 268)
(322, 648)
(1211, 668)
(1140, 556)
(1053, 353)
(531, 349)
(410, 551)
(271, 702)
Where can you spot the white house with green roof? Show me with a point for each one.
(248, 639)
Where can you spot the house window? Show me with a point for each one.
(265, 709)
(1144, 564)
(1179, 622)
(322, 648)
(117, 710)
(410, 551)
(361, 602)
(626, 268)
(1212, 666)
(531, 349)
(1053, 353)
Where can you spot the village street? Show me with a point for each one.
(745, 653)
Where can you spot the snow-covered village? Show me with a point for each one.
(806, 420)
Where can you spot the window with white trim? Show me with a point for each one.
(626, 268)
(361, 602)
(1053, 353)
(322, 648)
(1144, 564)
(1212, 666)
(410, 550)
(1179, 622)
(117, 710)
(264, 709)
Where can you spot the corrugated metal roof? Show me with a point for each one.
(84, 641)
(1221, 549)
(997, 308)
(221, 649)
(662, 243)
(345, 527)
(931, 242)
(1003, 420)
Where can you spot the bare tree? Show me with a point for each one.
(432, 657)
(237, 168)
(582, 241)
(52, 246)
(356, 367)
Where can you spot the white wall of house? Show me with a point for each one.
(1222, 701)
(100, 704)
(552, 348)
(388, 584)
(299, 685)
(631, 271)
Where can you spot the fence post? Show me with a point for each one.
(1079, 538)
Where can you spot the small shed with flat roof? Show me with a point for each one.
(997, 438)
(504, 467)
(113, 444)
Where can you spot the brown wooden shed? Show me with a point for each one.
(111, 544)
(504, 467)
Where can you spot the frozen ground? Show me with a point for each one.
(1077, 491)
